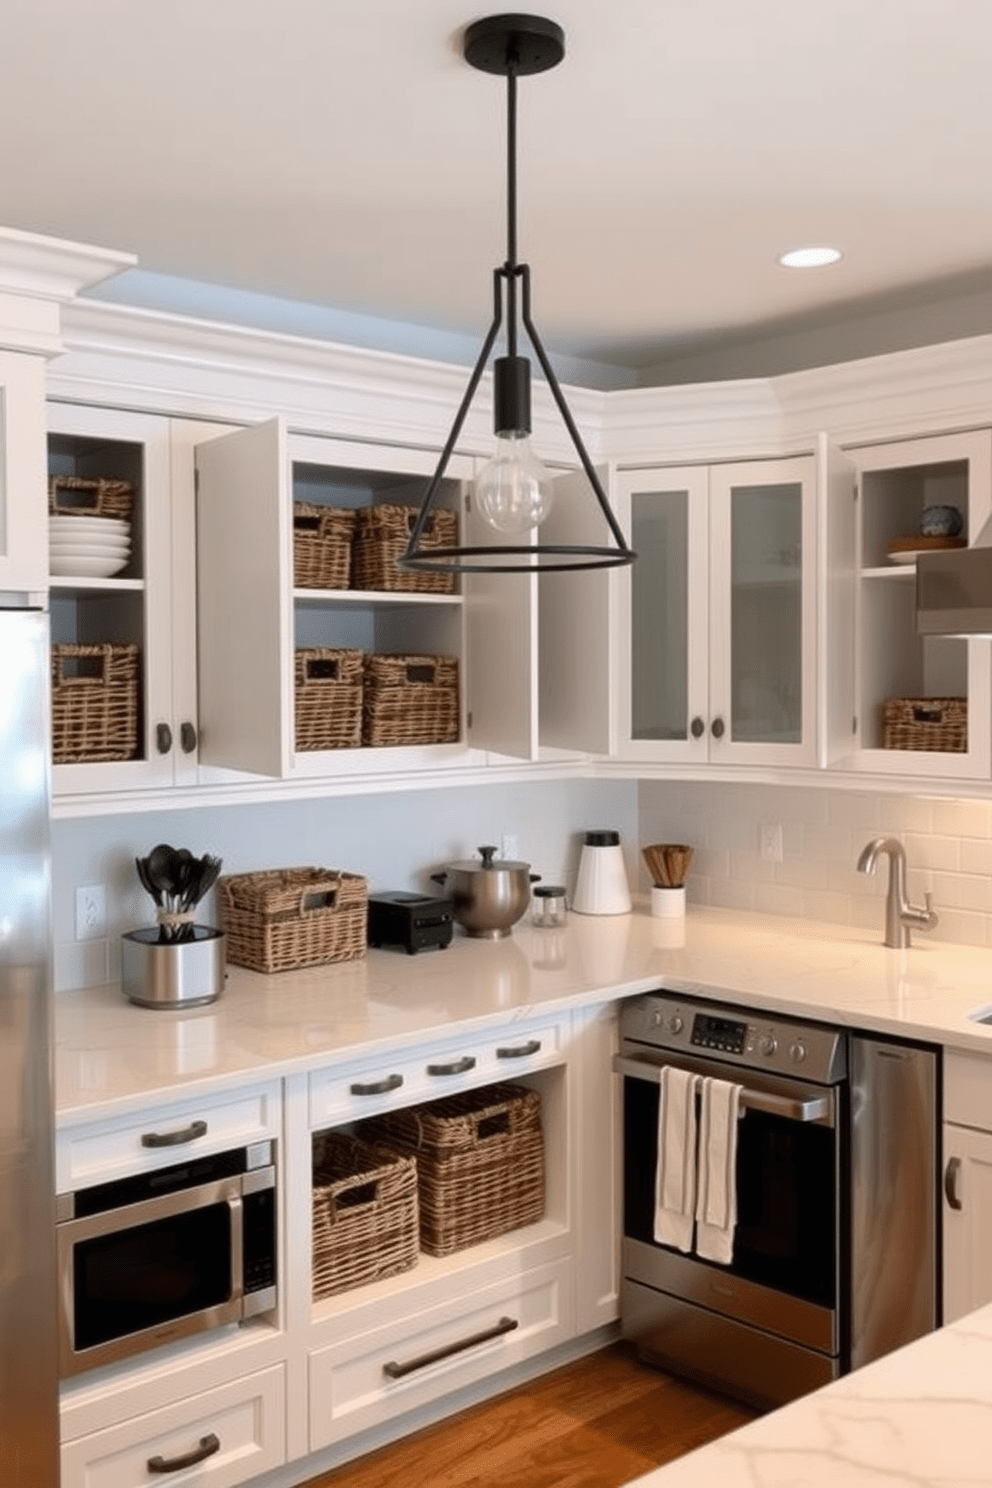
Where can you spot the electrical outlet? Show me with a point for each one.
(91, 912)
(510, 848)
(771, 842)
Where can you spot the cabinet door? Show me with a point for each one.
(967, 1220)
(895, 665)
(23, 528)
(663, 615)
(120, 740)
(763, 612)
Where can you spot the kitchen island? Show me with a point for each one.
(920, 1416)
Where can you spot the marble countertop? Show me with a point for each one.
(920, 1417)
(112, 1056)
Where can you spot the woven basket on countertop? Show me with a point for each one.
(381, 536)
(364, 1213)
(480, 1162)
(322, 546)
(410, 700)
(94, 703)
(282, 918)
(328, 698)
(938, 723)
(75, 496)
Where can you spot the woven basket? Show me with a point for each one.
(321, 546)
(410, 700)
(939, 723)
(72, 495)
(282, 918)
(94, 703)
(381, 536)
(364, 1213)
(328, 698)
(480, 1163)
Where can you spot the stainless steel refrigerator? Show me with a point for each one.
(29, 1455)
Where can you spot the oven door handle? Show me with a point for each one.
(818, 1107)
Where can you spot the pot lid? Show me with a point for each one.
(489, 863)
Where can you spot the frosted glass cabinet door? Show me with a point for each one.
(762, 614)
(662, 693)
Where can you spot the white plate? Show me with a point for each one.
(98, 548)
(107, 526)
(85, 568)
(908, 555)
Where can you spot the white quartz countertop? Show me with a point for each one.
(920, 1417)
(112, 1056)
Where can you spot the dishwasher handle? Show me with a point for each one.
(808, 1107)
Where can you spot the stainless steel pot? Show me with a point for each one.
(488, 897)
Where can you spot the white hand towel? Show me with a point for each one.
(716, 1203)
(675, 1175)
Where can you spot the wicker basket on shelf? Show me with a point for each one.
(74, 495)
(410, 700)
(480, 1162)
(279, 919)
(321, 546)
(381, 536)
(328, 698)
(364, 1213)
(937, 723)
(94, 703)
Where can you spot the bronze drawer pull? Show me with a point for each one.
(376, 1087)
(397, 1371)
(952, 1177)
(456, 1067)
(208, 1446)
(176, 1138)
(521, 1051)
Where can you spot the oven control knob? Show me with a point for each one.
(767, 1044)
(797, 1052)
(675, 1023)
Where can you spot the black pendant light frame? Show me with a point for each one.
(513, 46)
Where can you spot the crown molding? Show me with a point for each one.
(40, 276)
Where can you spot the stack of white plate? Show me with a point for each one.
(88, 547)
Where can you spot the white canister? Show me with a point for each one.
(668, 904)
(601, 888)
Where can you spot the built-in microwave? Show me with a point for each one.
(162, 1255)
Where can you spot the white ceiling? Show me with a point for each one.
(340, 153)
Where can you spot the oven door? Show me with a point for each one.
(785, 1273)
(142, 1275)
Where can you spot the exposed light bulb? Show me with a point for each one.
(514, 492)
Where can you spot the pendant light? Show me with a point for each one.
(513, 492)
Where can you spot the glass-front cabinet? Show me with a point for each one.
(718, 614)
(915, 705)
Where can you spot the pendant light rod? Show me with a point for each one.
(512, 46)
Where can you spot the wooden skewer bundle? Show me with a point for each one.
(668, 863)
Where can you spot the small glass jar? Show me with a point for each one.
(548, 906)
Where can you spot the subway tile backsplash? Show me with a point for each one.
(948, 849)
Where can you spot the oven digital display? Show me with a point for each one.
(724, 1034)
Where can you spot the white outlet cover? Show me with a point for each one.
(91, 912)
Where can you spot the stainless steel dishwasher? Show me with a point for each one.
(834, 1256)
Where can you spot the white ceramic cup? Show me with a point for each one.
(668, 904)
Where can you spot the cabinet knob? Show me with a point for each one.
(717, 728)
(697, 727)
(163, 738)
(187, 738)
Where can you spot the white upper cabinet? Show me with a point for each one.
(122, 619)
(263, 636)
(717, 616)
(23, 545)
(912, 704)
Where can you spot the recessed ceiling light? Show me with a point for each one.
(809, 258)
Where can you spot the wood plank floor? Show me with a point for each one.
(596, 1423)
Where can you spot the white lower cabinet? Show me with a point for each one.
(363, 1379)
(220, 1437)
(967, 1184)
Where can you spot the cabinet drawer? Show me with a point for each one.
(968, 1089)
(362, 1088)
(228, 1434)
(108, 1149)
(368, 1378)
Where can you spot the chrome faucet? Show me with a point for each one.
(899, 913)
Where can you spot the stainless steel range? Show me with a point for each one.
(834, 1251)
